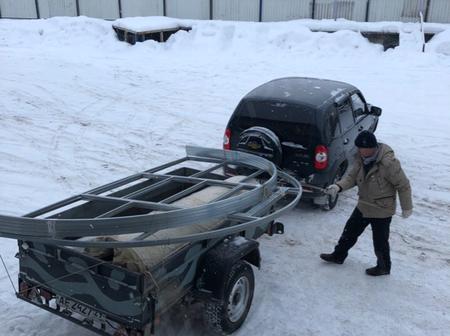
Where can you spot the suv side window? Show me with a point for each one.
(333, 119)
(346, 116)
(359, 107)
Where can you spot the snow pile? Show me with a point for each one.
(55, 33)
(440, 43)
(292, 37)
(382, 26)
(84, 33)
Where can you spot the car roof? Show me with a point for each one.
(314, 92)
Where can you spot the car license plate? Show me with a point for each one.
(79, 308)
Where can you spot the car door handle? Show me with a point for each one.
(346, 141)
(360, 128)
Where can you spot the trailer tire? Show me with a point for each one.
(228, 314)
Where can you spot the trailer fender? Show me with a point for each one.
(217, 263)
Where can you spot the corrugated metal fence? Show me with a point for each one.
(246, 10)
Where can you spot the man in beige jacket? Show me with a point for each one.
(379, 177)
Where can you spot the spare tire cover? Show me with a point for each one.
(261, 141)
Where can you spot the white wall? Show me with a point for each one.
(50, 8)
(283, 10)
(104, 9)
(345, 9)
(18, 9)
(247, 10)
(142, 8)
(359, 10)
(238, 10)
(388, 10)
(188, 9)
(439, 11)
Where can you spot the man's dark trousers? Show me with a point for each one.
(355, 226)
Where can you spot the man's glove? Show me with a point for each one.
(406, 213)
(332, 190)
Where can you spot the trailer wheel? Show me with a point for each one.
(228, 314)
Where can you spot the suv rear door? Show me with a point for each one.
(294, 125)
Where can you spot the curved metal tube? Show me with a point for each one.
(55, 230)
(219, 233)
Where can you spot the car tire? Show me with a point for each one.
(226, 315)
(263, 142)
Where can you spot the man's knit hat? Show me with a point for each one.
(366, 139)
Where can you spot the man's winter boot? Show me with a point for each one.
(376, 271)
(332, 258)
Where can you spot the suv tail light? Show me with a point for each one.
(227, 139)
(321, 157)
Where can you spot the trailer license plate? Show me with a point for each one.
(79, 308)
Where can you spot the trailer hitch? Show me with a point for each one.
(275, 228)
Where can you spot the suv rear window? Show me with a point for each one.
(291, 123)
(277, 111)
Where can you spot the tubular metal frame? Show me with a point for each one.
(241, 205)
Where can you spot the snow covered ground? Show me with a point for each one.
(79, 109)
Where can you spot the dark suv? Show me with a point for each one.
(306, 126)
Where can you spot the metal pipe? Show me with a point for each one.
(219, 233)
(260, 14)
(184, 193)
(52, 207)
(120, 8)
(367, 10)
(335, 10)
(209, 170)
(229, 193)
(58, 229)
(164, 8)
(77, 3)
(313, 10)
(117, 210)
(167, 165)
(38, 14)
(147, 204)
(212, 182)
(427, 10)
(151, 187)
(115, 184)
(211, 9)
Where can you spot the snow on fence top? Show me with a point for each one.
(379, 27)
(158, 23)
(150, 23)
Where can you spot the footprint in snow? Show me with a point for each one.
(292, 242)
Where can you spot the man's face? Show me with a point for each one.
(367, 152)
